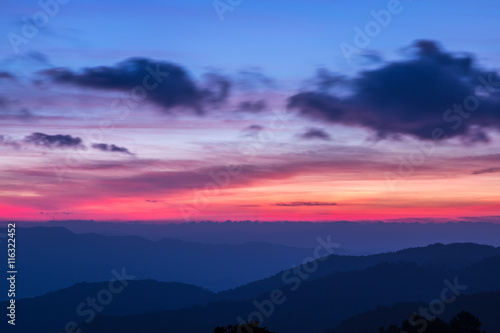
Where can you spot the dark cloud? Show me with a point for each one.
(38, 57)
(326, 80)
(371, 57)
(315, 133)
(153, 201)
(165, 84)
(110, 148)
(3, 102)
(7, 141)
(7, 75)
(54, 141)
(304, 203)
(252, 130)
(252, 106)
(217, 88)
(431, 90)
(22, 114)
(489, 170)
(25, 114)
(56, 213)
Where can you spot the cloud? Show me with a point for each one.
(489, 170)
(252, 130)
(110, 148)
(7, 141)
(304, 203)
(37, 57)
(326, 80)
(315, 133)
(252, 106)
(3, 102)
(22, 114)
(54, 141)
(371, 57)
(7, 76)
(431, 90)
(252, 80)
(165, 84)
(176, 179)
(56, 213)
(222, 89)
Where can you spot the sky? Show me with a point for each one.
(249, 110)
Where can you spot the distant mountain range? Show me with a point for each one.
(58, 258)
(355, 237)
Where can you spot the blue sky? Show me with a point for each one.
(287, 39)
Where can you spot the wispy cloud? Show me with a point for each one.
(489, 170)
(315, 133)
(304, 203)
(111, 148)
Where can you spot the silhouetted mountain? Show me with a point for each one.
(52, 311)
(484, 305)
(311, 306)
(451, 257)
(59, 258)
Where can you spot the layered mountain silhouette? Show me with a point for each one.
(59, 258)
(317, 296)
(451, 257)
(483, 305)
(52, 311)
(319, 304)
(356, 237)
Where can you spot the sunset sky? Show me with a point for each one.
(195, 110)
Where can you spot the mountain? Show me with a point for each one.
(311, 297)
(52, 311)
(59, 258)
(483, 305)
(317, 305)
(355, 237)
(451, 256)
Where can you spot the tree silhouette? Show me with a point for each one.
(252, 327)
(464, 322)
